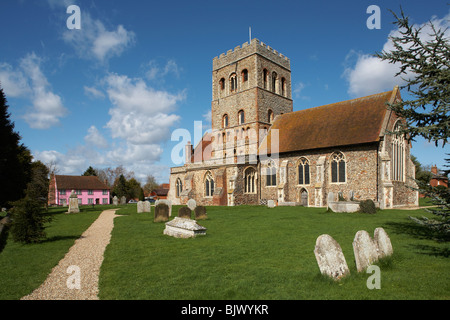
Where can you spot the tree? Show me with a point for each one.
(422, 174)
(15, 159)
(120, 187)
(133, 188)
(428, 114)
(90, 172)
(28, 219)
(150, 185)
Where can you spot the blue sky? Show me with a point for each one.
(113, 92)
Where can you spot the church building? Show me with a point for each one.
(259, 149)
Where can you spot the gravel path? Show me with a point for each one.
(76, 275)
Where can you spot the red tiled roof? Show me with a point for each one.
(199, 153)
(79, 183)
(343, 123)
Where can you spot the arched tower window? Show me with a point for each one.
(241, 117)
(283, 87)
(244, 75)
(270, 116)
(250, 180)
(209, 184)
(274, 82)
(338, 168)
(179, 187)
(233, 82)
(398, 154)
(222, 84)
(225, 121)
(303, 171)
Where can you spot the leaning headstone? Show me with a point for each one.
(184, 212)
(183, 228)
(161, 212)
(270, 204)
(364, 249)
(123, 200)
(167, 202)
(383, 243)
(330, 257)
(191, 204)
(200, 213)
(73, 203)
(115, 201)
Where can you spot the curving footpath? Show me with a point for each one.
(76, 275)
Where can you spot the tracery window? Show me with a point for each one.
(209, 185)
(338, 168)
(303, 171)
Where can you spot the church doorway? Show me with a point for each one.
(303, 197)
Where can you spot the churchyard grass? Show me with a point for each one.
(253, 252)
(24, 267)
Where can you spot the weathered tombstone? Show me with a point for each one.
(115, 201)
(184, 212)
(330, 257)
(200, 213)
(191, 204)
(73, 203)
(364, 249)
(183, 228)
(161, 212)
(330, 197)
(167, 202)
(383, 243)
(351, 195)
(270, 203)
(143, 206)
(123, 200)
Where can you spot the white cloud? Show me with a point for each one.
(47, 106)
(13, 82)
(371, 75)
(93, 92)
(94, 41)
(95, 138)
(156, 72)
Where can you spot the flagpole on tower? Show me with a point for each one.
(250, 35)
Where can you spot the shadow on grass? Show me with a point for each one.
(422, 232)
(59, 238)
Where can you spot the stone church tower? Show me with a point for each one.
(250, 87)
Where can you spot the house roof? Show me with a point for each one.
(343, 123)
(199, 153)
(79, 183)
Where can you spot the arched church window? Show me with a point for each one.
(265, 76)
(303, 171)
(179, 187)
(338, 168)
(270, 116)
(222, 84)
(209, 184)
(283, 87)
(250, 180)
(271, 174)
(398, 154)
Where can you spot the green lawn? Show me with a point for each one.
(23, 268)
(249, 252)
(253, 252)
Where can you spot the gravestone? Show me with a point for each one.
(330, 197)
(270, 203)
(364, 249)
(200, 213)
(330, 257)
(123, 200)
(143, 206)
(115, 201)
(383, 243)
(184, 212)
(73, 203)
(161, 212)
(183, 228)
(191, 204)
(167, 202)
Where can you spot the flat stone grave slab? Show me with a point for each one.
(184, 228)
